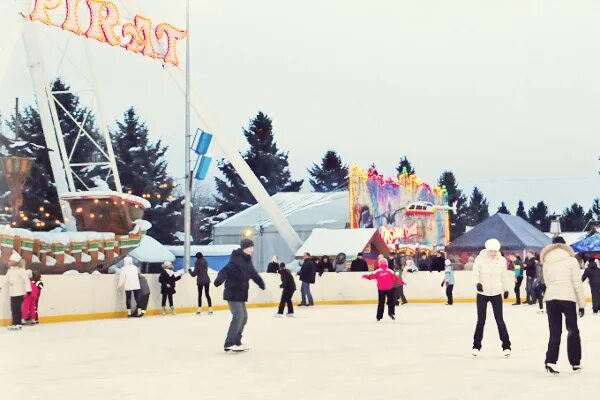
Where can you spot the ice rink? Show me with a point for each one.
(325, 352)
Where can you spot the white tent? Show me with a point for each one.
(151, 251)
(329, 242)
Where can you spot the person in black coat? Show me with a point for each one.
(325, 265)
(438, 263)
(592, 272)
(168, 279)
(202, 281)
(143, 296)
(307, 273)
(273, 266)
(531, 273)
(236, 275)
(289, 287)
(359, 265)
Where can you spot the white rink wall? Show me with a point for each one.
(84, 296)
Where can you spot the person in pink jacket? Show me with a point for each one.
(30, 301)
(385, 286)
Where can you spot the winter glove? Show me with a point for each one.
(581, 312)
(281, 286)
(505, 295)
(442, 285)
(479, 287)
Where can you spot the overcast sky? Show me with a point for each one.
(506, 94)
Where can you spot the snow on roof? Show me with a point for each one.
(328, 242)
(299, 208)
(104, 194)
(213, 250)
(151, 250)
(570, 237)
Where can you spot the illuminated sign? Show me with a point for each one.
(136, 36)
(394, 234)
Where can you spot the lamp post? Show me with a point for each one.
(16, 170)
(187, 208)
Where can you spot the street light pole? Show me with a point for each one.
(187, 210)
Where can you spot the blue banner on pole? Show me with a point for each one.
(202, 167)
(202, 142)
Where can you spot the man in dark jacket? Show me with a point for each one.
(289, 287)
(359, 265)
(202, 281)
(307, 275)
(236, 275)
(530, 272)
(592, 272)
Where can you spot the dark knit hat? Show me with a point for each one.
(246, 243)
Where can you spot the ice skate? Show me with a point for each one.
(475, 352)
(290, 315)
(507, 353)
(277, 315)
(163, 311)
(392, 317)
(551, 369)
(199, 311)
(576, 368)
(173, 311)
(540, 312)
(236, 349)
(210, 311)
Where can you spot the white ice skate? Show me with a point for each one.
(236, 349)
(210, 311)
(290, 315)
(540, 312)
(507, 353)
(173, 311)
(475, 352)
(551, 369)
(199, 312)
(277, 315)
(576, 368)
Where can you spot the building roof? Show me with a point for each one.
(329, 242)
(151, 250)
(570, 237)
(329, 210)
(213, 250)
(514, 233)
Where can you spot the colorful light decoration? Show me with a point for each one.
(105, 18)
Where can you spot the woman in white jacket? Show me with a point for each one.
(492, 281)
(564, 293)
(129, 279)
(18, 285)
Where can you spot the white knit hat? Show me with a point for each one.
(492, 245)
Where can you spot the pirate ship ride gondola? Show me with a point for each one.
(109, 225)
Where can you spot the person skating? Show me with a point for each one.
(28, 310)
(130, 281)
(530, 272)
(518, 270)
(564, 294)
(540, 286)
(399, 288)
(168, 280)
(202, 281)
(385, 288)
(37, 278)
(273, 266)
(143, 296)
(359, 264)
(17, 282)
(492, 281)
(289, 287)
(592, 274)
(307, 274)
(236, 275)
(449, 282)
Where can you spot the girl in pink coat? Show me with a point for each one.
(385, 286)
(29, 311)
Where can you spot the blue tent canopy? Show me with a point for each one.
(514, 234)
(588, 245)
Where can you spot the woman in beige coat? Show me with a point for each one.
(564, 295)
(18, 286)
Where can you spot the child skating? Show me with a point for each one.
(28, 310)
(449, 282)
(289, 287)
(168, 280)
(385, 287)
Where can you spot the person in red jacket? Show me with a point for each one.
(385, 286)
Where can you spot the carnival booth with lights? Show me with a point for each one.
(409, 215)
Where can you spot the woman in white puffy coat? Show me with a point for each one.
(130, 281)
(564, 294)
(18, 286)
(493, 281)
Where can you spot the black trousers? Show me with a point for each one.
(206, 289)
(530, 289)
(539, 294)
(496, 302)
(142, 302)
(164, 299)
(399, 293)
(449, 290)
(518, 289)
(128, 294)
(286, 299)
(391, 302)
(595, 298)
(555, 310)
(16, 303)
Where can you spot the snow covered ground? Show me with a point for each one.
(335, 352)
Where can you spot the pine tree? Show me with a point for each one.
(330, 175)
(538, 216)
(521, 211)
(405, 165)
(143, 171)
(596, 209)
(503, 209)
(204, 214)
(478, 210)
(457, 219)
(267, 162)
(574, 218)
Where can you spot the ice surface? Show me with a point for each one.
(326, 352)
